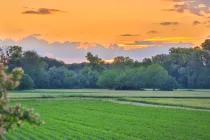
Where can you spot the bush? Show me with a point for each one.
(26, 82)
(170, 84)
(108, 79)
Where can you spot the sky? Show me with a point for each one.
(68, 29)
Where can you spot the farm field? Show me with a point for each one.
(103, 120)
(87, 115)
(195, 103)
(107, 93)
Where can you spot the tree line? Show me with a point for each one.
(181, 68)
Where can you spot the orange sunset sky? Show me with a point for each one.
(67, 29)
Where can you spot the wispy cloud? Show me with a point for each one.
(171, 39)
(196, 22)
(130, 35)
(35, 35)
(196, 7)
(42, 11)
(152, 32)
(169, 23)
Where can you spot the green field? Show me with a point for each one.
(103, 120)
(87, 115)
(108, 93)
(192, 103)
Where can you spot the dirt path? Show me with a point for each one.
(158, 106)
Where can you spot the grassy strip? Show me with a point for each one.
(164, 104)
(104, 96)
(51, 92)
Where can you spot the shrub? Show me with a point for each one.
(26, 82)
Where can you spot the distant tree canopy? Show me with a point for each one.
(181, 68)
(153, 76)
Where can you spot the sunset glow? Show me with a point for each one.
(93, 23)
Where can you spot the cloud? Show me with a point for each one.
(35, 35)
(178, 8)
(196, 22)
(169, 23)
(130, 35)
(144, 43)
(70, 53)
(152, 32)
(196, 7)
(42, 11)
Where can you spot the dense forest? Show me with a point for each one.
(181, 68)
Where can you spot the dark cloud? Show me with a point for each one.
(152, 32)
(196, 7)
(169, 23)
(144, 43)
(42, 11)
(35, 35)
(70, 53)
(196, 22)
(178, 8)
(140, 43)
(130, 35)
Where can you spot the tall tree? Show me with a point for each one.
(120, 63)
(206, 45)
(95, 62)
(88, 77)
(14, 55)
(156, 76)
(108, 79)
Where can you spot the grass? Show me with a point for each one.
(97, 120)
(79, 114)
(182, 102)
(109, 93)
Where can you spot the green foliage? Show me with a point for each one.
(121, 63)
(26, 82)
(206, 45)
(12, 116)
(62, 78)
(186, 66)
(95, 62)
(14, 54)
(170, 84)
(44, 80)
(153, 76)
(108, 79)
(146, 62)
(132, 78)
(189, 66)
(156, 76)
(88, 78)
